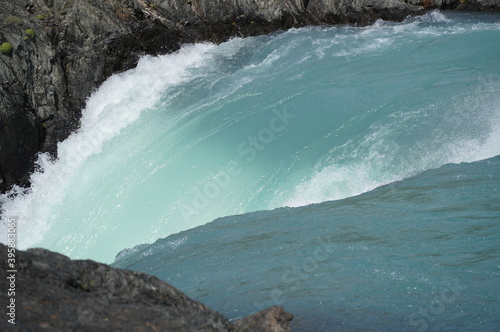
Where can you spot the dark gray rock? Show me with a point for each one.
(54, 293)
(478, 5)
(360, 12)
(463, 5)
(273, 319)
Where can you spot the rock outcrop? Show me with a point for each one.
(464, 5)
(63, 49)
(54, 293)
(273, 319)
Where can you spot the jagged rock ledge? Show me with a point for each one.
(55, 293)
(58, 51)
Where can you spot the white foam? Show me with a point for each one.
(387, 162)
(470, 151)
(332, 182)
(115, 105)
(367, 47)
(434, 16)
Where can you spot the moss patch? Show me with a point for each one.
(6, 48)
(40, 17)
(30, 33)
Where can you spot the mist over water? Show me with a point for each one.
(289, 119)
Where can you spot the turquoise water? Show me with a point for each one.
(394, 129)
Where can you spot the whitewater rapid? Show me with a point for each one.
(290, 119)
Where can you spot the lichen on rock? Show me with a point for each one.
(30, 33)
(6, 48)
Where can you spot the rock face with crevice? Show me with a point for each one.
(46, 79)
(54, 293)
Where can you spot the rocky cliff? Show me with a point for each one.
(53, 293)
(53, 53)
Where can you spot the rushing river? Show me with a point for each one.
(394, 129)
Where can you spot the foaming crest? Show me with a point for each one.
(118, 103)
(366, 47)
(487, 148)
(382, 34)
(333, 182)
(378, 159)
(434, 16)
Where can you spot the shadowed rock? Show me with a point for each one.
(273, 319)
(55, 293)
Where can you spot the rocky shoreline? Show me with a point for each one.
(54, 53)
(51, 292)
